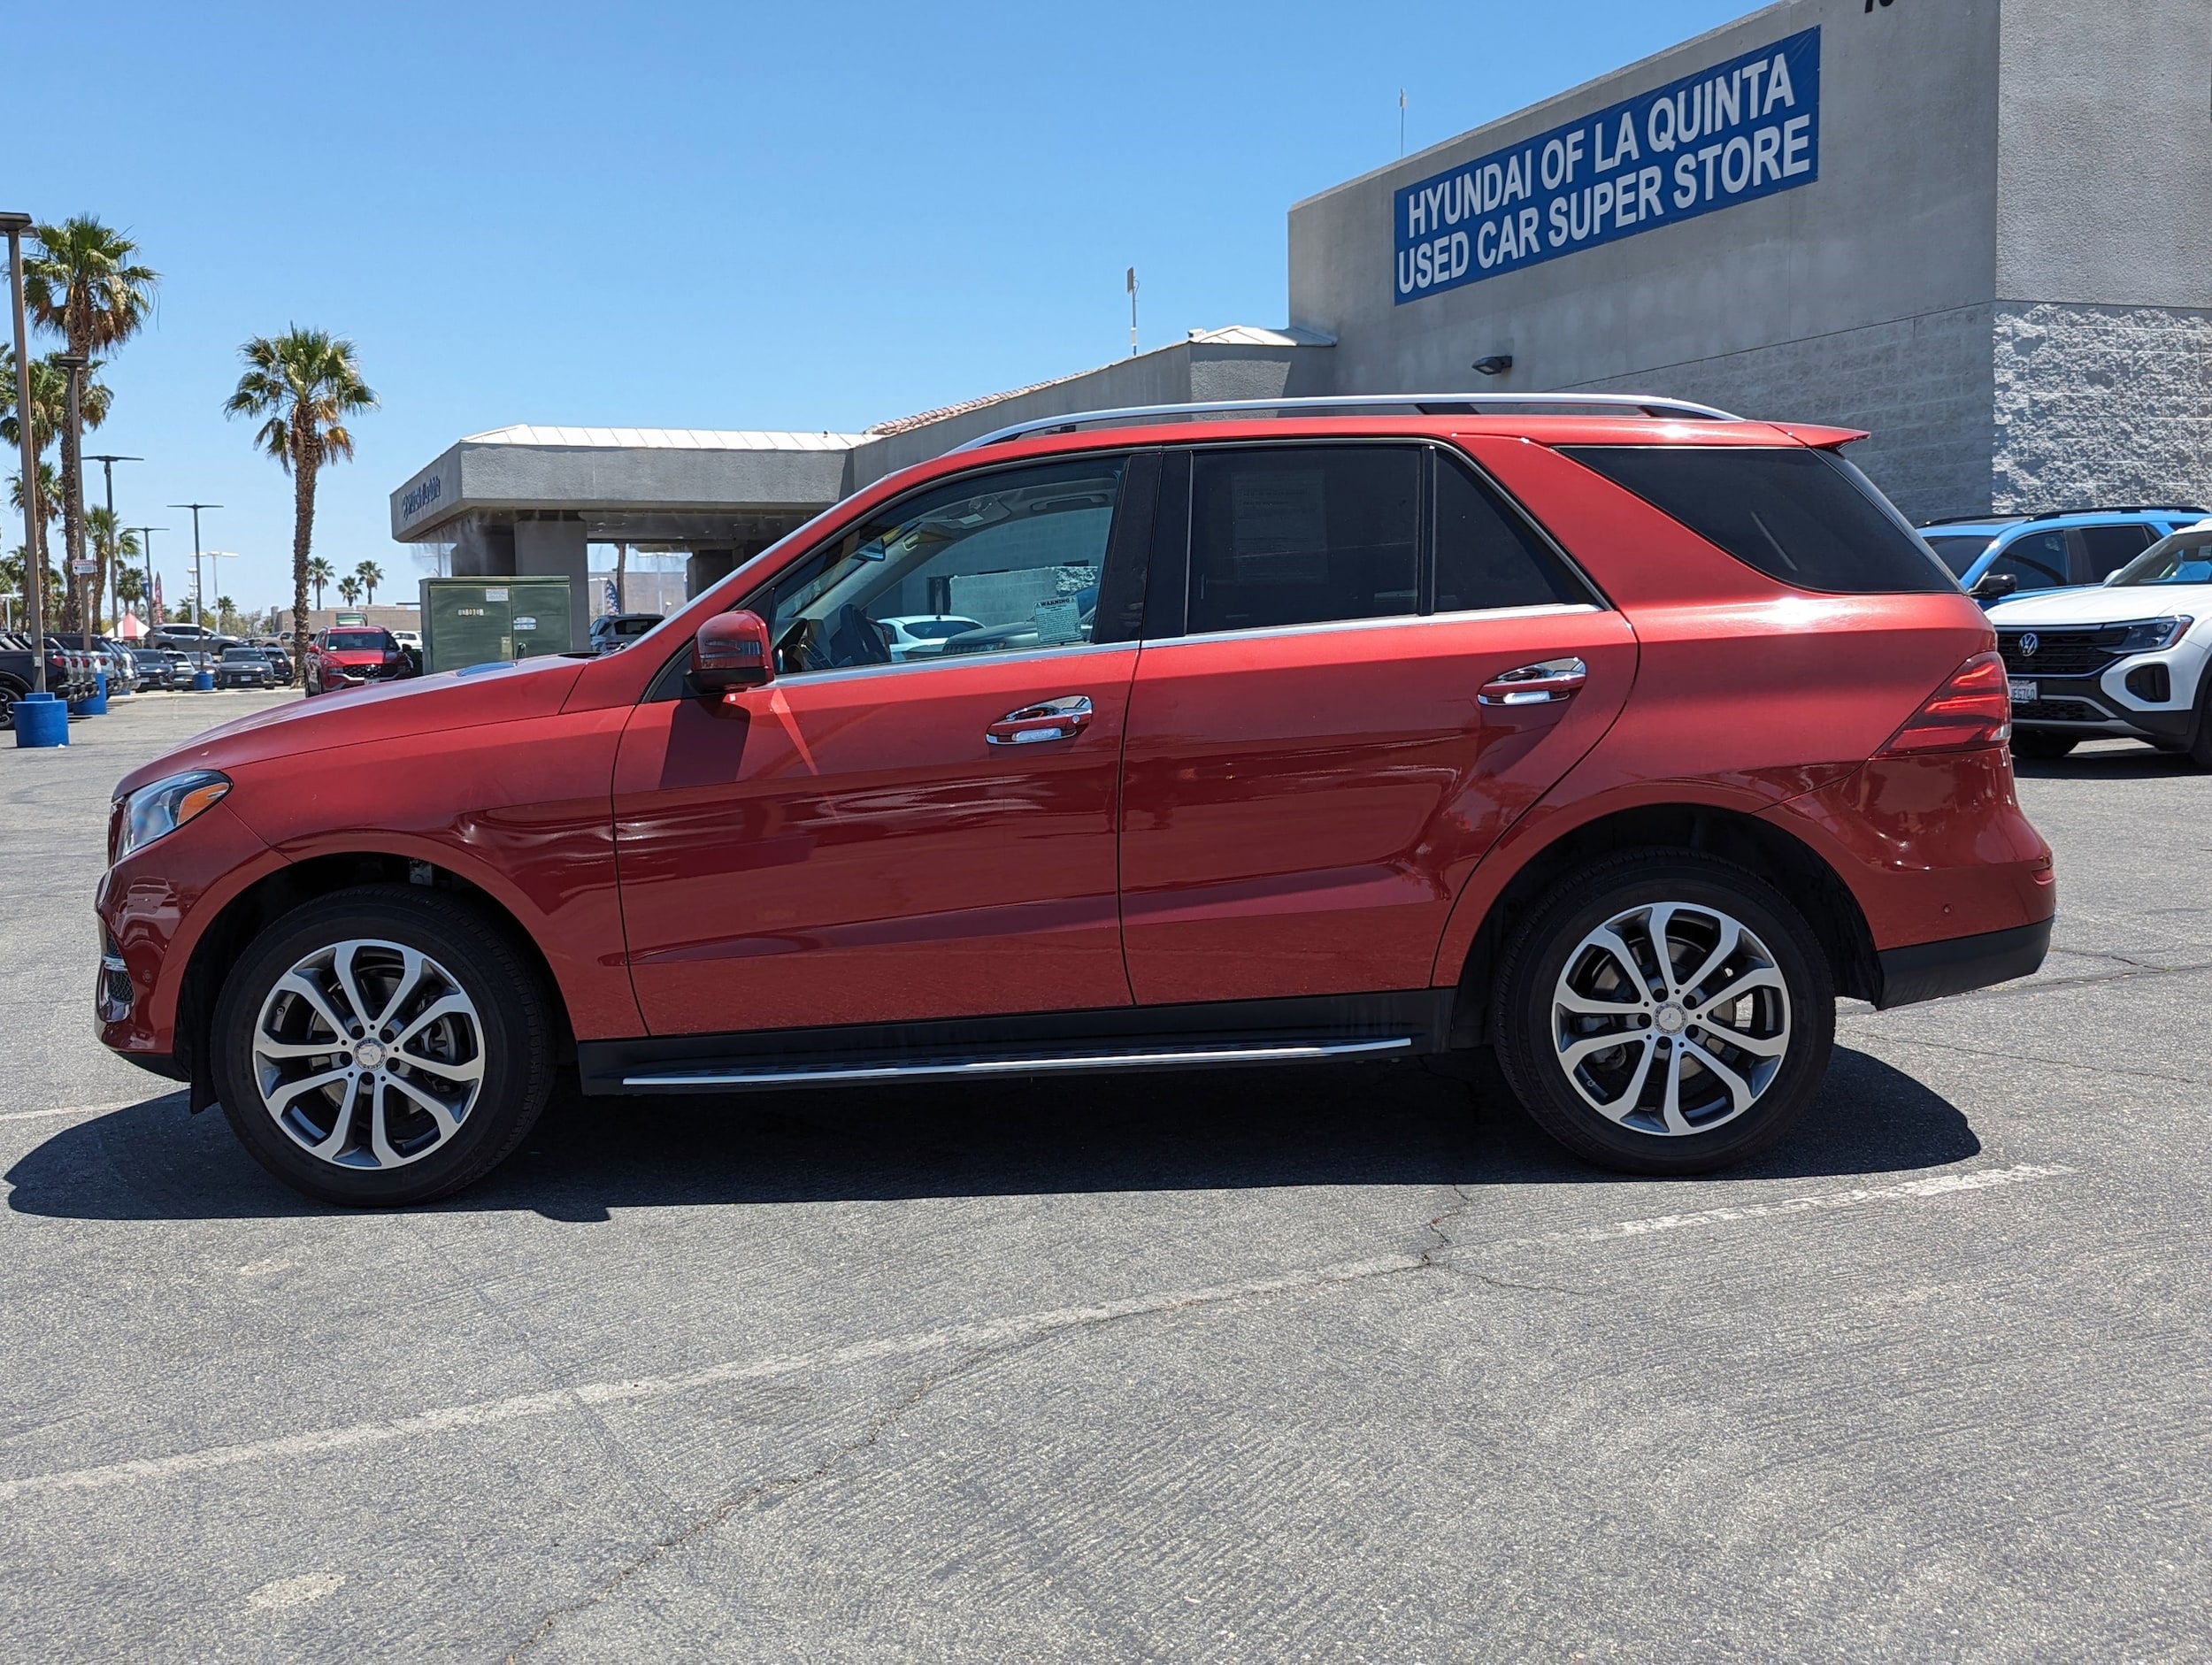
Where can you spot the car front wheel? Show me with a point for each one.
(1665, 1012)
(380, 1046)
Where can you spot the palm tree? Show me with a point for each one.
(83, 286)
(370, 575)
(305, 382)
(320, 572)
(111, 546)
(348, 590)
(225, 614)
(130, 589)
(49, 406)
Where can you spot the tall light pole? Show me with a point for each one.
(214, 554)
(107, 461)
(33, 559)
(75, 365)
(146, 549)
(199, 606)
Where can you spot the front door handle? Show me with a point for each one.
(1544, 683)
(1062, 718)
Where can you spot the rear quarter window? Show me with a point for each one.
(1803, 517)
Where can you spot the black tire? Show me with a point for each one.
(1553, 935)
(2201, 735)
(9, 695)
(514, 1010)
(2042, 745)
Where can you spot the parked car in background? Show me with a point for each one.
(1994, 557)
(69, 671)
(245, 667)
(280, 660)
(2125, 659)
(412, 638)
(1615, 735)
(611, 631)
(923, 634)
(107, 656)
(155, 668)
(349, 656)
(191, 638)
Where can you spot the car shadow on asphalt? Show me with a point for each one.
(1447, 1123)
(2121, 762)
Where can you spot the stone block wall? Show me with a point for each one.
(2101, 405)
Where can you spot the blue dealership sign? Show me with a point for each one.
(1743, 130)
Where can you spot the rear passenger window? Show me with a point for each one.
(2111, 548)
(1302, 535)
(1485, 555)
(1802, 516)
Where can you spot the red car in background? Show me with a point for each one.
(1615, 734)
(348, 656)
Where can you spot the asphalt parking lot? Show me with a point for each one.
(1345, 1364)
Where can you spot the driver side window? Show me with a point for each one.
(997, 563)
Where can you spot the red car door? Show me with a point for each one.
(1360, 666)
(868, 840)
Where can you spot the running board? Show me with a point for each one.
(729, 1080)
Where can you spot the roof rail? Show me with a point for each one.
(2061, 514)
(1426, 403)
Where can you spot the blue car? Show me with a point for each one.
(1996, 555)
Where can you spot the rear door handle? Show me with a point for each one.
(1062, 718)
(1545, 683)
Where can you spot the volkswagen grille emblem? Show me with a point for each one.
(2030, 642)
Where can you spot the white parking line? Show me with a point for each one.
(85, 1110)
(965, 1337)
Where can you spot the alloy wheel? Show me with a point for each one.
(1671, 1018)
(368, 1055)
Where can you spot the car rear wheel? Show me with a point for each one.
(2041, 745)
(380, 1046)
(1663, 1012)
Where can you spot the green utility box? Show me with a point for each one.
(469, 621)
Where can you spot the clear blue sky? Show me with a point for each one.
(708, 215)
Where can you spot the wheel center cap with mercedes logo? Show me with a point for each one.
(369, 1054)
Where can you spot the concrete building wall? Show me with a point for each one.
(2004, 269)
(1189, 369)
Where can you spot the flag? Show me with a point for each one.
(160, 618)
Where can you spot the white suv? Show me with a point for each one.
(2125, 658)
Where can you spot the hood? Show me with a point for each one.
(383, 710)
(2103, 605)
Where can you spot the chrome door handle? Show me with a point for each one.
(1062, 718)
(1544, 683)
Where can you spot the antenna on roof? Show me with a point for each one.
(1401, 123)
(1132, 311)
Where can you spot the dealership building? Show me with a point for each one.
(1980, 229)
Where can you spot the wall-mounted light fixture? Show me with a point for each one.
(1496, 364)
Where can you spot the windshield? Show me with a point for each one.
(359, 641)
(938, 629)
(1958, 552)
(242, 653)
(2183, 558)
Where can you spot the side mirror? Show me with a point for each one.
(732, 651)
(1994, 587)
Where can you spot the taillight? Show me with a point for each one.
(1972, 708)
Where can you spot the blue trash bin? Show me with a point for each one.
(42, 719)
(95, 704)
(203, 681)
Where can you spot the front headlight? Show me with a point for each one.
(162, 808)
(2153, 634)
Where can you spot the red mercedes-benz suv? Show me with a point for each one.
(1614, 734)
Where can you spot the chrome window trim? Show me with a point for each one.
(1061, 650)
(1537, 610)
